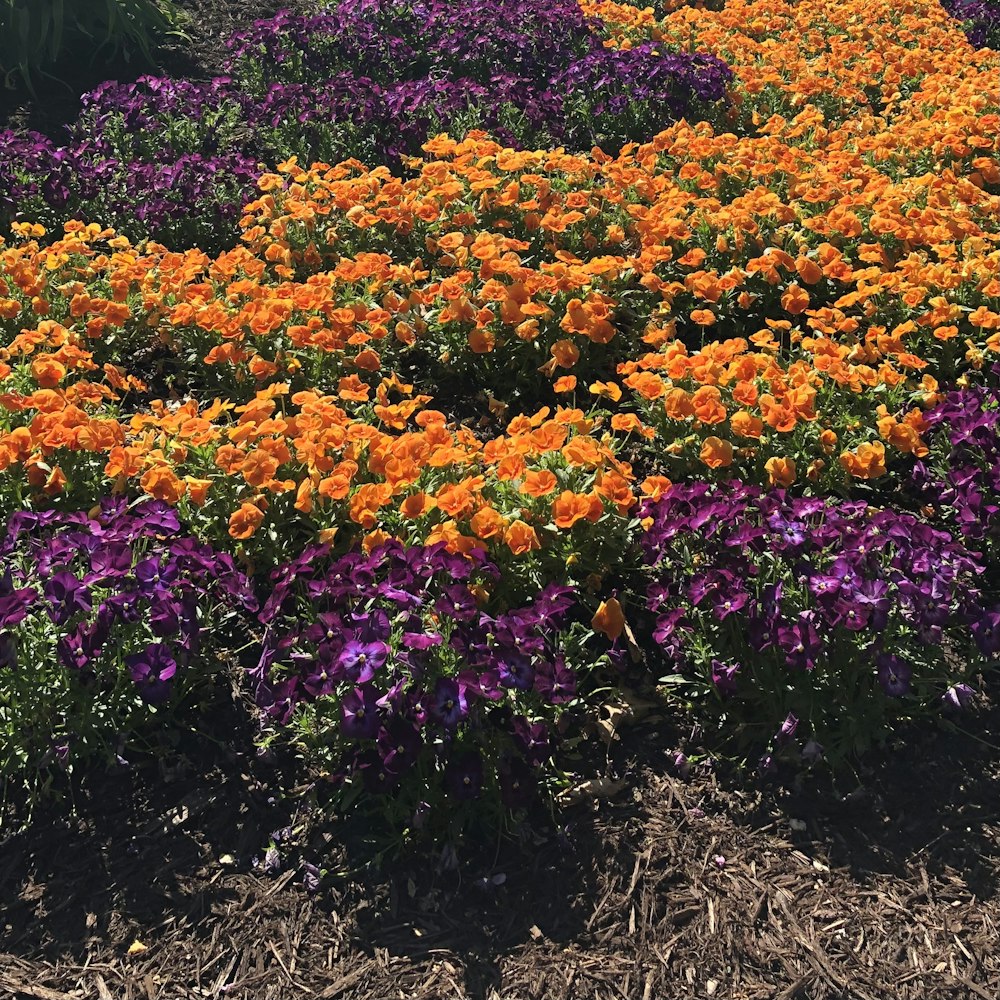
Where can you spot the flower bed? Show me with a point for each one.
(717, 404)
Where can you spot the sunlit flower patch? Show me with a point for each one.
(504, 359)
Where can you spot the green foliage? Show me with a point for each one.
(36, 34)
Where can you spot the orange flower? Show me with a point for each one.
(708, 406)
(746, 424)
(416, 505)
(780, 471)
(538, 483)
(567, 383)
(703, 317)
(716, 453)
(47, 371)
(628, 423)
(795, 300)
(655, 487)
(353, 389)
(611, 390)
(828, 441)
(866, 462)
(245, 521)
(521, 538)
(678, 405)
(808, 270)
(565, 353)
(609, 619)
(487, 523)
(197, 489)
(161, 483)
(569, 507)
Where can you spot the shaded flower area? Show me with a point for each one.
(834, 614)
(398, 669)
(106, 619)
(371, 80)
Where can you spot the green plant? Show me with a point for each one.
(34, 34)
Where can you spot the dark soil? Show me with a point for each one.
(717, 885)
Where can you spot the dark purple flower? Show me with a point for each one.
(516, 671)
(958, 697)
(67, 596)
(153, 672)
(787, 730)
(14, 606)
(449, 702)
(555, 682)
(894, 675)
(463, 775)
(724, 677)
(398, 744)
(532, 739)
(359, 716)
(517, 782)
(986, 632)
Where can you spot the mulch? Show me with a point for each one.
(719, 884)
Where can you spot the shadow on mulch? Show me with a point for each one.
(718, 885)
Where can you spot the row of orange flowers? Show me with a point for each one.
(779, 302)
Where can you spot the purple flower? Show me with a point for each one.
(360, 660)
(359, 717)
(67, 596)
(153, 672)
(894, 675)
(449, 703)
(532, 739)
(463, 776)
(555, 682)
(153, 574)
(986, 632)
(724, 677)
(517, 782)
(398, 745)
(14, 606)
(787, 730)
(516, 671)
(958, 697)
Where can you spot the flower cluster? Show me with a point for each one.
(103, 617)
(371, 79)
(834, 613)
(399, 668)
(960, 480)
(501, 385)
